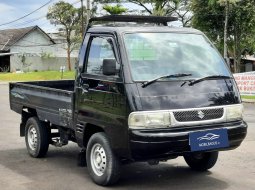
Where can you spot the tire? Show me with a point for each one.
(103, 166)
(201, 161)
(36, 137)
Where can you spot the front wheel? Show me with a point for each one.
(201, 161)
(103, 165)
(36, 137)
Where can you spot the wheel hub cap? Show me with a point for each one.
(98, 159)
(32, 137)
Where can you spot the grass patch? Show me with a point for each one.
(33, 76)
(248, 97)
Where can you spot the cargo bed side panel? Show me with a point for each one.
(50, 104)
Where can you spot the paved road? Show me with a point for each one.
(58, 171)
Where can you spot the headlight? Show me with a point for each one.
(149, 120)
(234, 112)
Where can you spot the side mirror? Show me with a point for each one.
(109, 67)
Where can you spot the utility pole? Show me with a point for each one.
(88, 11)
(82, 19)
(225, 54)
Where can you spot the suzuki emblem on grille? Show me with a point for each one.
(200, 114)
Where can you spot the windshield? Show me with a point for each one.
(153, 55)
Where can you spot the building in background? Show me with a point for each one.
(31, 49)
(249, 63)
(61, 45)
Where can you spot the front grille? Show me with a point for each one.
(198, 115)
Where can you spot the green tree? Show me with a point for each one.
(226, 4)
(210, 18)
(152, 7)
(67, 17)
(115, 10)
(183, 12)
(178, 8)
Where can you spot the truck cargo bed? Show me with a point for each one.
(52, 100)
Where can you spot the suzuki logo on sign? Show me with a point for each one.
(209, 136)
(200, 114)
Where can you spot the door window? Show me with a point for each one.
(100, 49)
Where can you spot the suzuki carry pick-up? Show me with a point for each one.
(143, 91)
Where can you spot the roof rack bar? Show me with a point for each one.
(132, 18)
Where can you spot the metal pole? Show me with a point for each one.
(225, 54)
(82, 18)
(88, 11)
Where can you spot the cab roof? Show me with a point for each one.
(135, 23)
(139, 28)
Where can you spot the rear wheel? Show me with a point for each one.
(201, 161)
(103, 165)
(36, 137)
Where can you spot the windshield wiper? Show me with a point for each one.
(177, 75)
(209, 77)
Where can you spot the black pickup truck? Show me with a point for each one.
(143, 91)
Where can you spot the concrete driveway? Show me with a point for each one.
(234, 170)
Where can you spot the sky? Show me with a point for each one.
(13, 9)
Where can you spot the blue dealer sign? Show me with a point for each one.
(210, 139)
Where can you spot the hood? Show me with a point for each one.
(166, 95)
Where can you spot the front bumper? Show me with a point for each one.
(164, 143)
